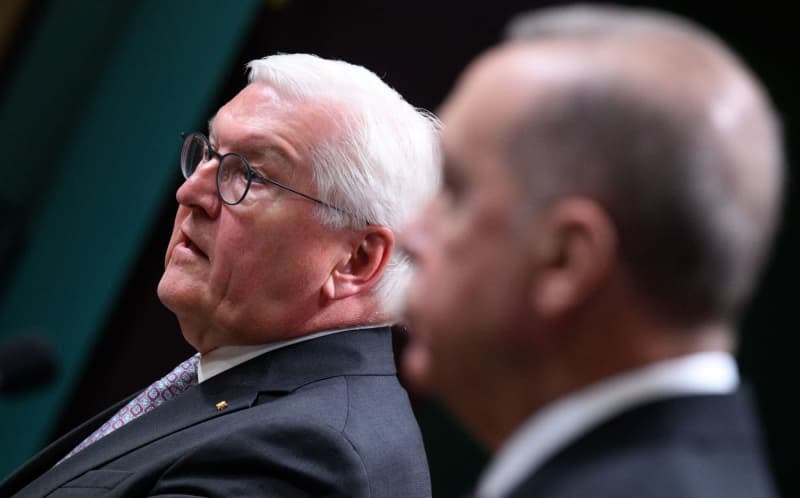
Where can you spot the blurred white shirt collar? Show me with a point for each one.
(558, 424)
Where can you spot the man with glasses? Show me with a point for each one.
(283, 274)
(612, 181)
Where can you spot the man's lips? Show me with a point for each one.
(189, 244)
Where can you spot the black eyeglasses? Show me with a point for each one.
(234, 174)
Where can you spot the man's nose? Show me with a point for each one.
(199, 191)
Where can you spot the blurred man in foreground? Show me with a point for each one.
(611, 184)
(282, 272)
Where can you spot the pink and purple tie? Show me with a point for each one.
(171, 385)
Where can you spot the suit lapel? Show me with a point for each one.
(192, 407)
(51, 454)
(354, 352)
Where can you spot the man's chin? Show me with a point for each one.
(179, 299)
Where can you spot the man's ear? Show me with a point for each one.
(361, 269)
(575, 251)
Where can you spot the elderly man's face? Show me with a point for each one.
(252, 272)
(469, 290)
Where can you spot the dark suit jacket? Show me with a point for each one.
(687, 447)
(326, 417)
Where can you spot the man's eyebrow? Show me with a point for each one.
(269, 160)
(259, 158)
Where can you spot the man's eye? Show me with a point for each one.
(448, 193)
(452, 188)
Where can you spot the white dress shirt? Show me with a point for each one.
(223, 358)
(558, 424)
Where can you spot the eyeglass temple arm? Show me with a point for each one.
(261, 179)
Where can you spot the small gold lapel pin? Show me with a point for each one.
(222, 405)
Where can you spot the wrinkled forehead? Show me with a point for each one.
(260, 118)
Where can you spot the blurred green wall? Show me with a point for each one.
(89, 130)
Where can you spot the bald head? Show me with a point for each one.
(657, 121)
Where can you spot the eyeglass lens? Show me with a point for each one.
(233, 177)
(194, 152)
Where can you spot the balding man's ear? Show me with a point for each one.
(576, 251)
(360, 270)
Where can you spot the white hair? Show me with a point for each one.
(383, 162)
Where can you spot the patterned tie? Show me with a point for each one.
(171, 385)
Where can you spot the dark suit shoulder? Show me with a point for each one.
(694, 446)
(320, 440)
(372, 413)
(279, 455)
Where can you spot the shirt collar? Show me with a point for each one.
(558, 424)
(226, 357)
